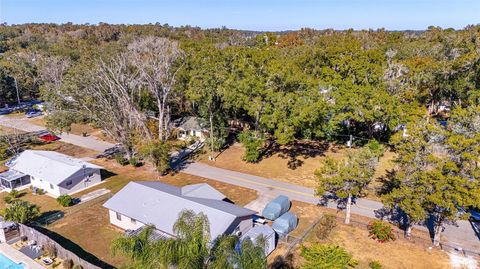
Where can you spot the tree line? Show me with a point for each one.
(132, 80)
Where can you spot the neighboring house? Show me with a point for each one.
(154, 203)
(191, 127)
(55, 173)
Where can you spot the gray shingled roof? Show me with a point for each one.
(160, 204)
(191, 123)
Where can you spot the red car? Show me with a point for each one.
(49, 137)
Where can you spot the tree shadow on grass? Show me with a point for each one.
(295, 149)
(71, 246)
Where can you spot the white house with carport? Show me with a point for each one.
(154, 203)
(55, 173)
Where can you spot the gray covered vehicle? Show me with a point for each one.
(285, 224)
(276, 207)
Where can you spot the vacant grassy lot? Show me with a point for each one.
(295, 163)
(66, 148)
(397, 254)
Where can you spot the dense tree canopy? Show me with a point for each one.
(305, 84)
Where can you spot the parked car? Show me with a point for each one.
(49, 137)
(474, 214)
(5, 111)
(33, 113)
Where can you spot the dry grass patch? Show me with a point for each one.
(294, 164)
(397, 254)
(67, 149)
(90, 229)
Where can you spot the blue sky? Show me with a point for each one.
(251, 14)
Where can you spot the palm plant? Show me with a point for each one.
(191, 248)
(21, 212)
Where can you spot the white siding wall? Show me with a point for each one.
(42, 183)
(125, 223)
(78, 183)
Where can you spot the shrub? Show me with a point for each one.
(68, 264)
(325, 226)
(120, 159)
(375, 148)
(158, 152)
(381, 231)
(12, 196)
(50, 250)
(375, 265)
(135, 162)
(77, 266)
(65, 200)
(253, 145)
(37, 191)
(326, 256)
(8, 199)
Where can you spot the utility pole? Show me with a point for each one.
(16, 87)
(350, 141)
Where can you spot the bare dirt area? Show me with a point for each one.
(295, 163)
(357, 242)
(67, 149)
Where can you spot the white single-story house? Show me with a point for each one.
(53, 172)
(154, 203)
(191, 127)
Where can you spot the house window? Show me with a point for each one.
(68, 183)
(134, 221)
(119, 216)
(51, 186)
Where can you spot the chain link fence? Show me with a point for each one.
(292, 241)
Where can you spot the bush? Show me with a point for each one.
(65, 200)
(325, 226)
(375, 265)
(135, 162)
(8, 199)
(37, 191)
(158, 152)
(253, 145)
(120, 159)
(68, 264)
(11, 197)
(381, 231)
(326, 256)
(375, 148)
(77, 266)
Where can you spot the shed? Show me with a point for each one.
(285, 224)
(276, 207)
(261, 230)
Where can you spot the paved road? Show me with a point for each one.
(89, 142)
(461, 235)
